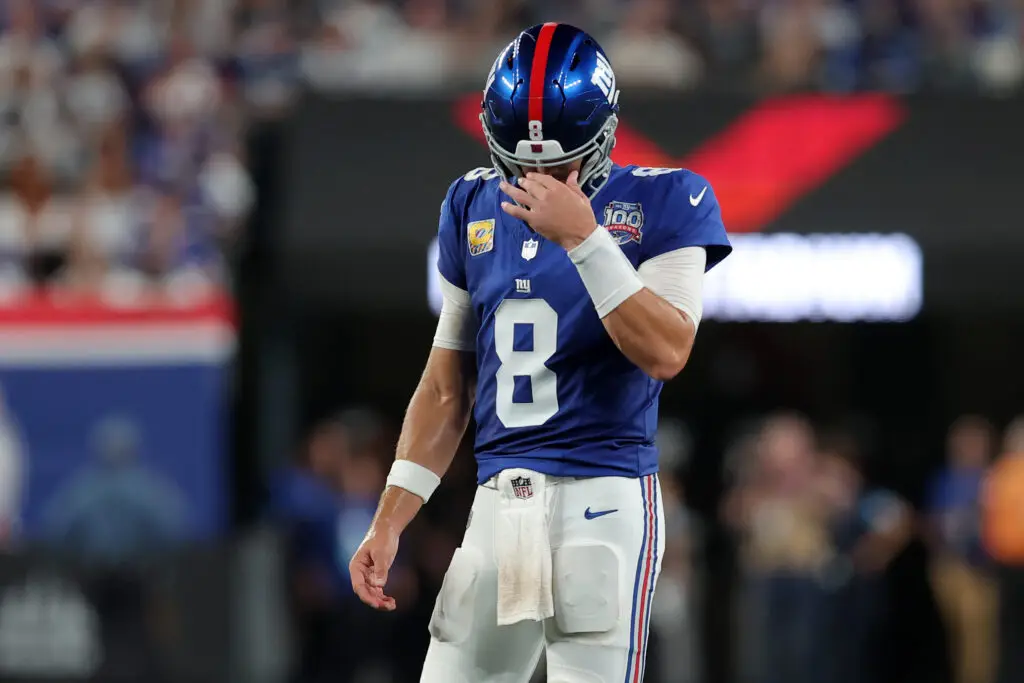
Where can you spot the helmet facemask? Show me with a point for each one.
(596, 156)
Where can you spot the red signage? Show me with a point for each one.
(768, 158)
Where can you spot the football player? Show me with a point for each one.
(572, 291)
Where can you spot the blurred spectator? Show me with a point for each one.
(869, 527)
(228, 191)
(115, 512)
(325, 502)
(646, 52)
(131, 32)
(95, 96)
(176, 254)
(12, 476)
(792, 43)
(185, 93)
(730, 41)
(267, 55)
(40, 219)
(1004, 540)
(959, 567)
(676, 646)
(783, 528)
(104, 219)
(31, 68)
(675, 650)
(375, 46)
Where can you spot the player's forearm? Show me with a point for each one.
(649, 330)
(433, 428)
(436, 421)
(652, 333)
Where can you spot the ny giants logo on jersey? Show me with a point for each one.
(522, 487)
(625, 221)
(481, 236)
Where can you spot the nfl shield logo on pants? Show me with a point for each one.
(522, 487)
(530, 249)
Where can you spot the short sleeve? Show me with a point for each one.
(687, 215)
(450, 252)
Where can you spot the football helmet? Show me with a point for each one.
(551, 99)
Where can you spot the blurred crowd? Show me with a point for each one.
(121, 160)
(122, 163)
(733, 45)
(815, 544)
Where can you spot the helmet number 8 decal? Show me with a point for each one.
(536, 130)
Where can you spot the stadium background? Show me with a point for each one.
(215, 301)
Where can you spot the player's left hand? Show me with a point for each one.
(559, 211)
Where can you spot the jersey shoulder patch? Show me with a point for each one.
(456, 233)
(679, 207)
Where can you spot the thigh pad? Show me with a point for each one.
(452, 620)
(586, 588)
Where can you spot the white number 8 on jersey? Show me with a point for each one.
(539, 315)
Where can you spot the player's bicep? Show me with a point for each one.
(456, 324)
(677, 276)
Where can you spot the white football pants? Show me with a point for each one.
(604, 569)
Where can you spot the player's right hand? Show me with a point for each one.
(370, 566)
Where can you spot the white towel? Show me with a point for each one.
(522, 548)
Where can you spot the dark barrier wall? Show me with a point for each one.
(365, 179)
(167, 622)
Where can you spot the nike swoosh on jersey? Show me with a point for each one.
(694, 201)
(600, 513)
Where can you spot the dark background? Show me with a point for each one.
(343, 314)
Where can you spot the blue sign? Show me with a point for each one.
(137, 400)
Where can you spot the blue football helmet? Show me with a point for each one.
(551, 99)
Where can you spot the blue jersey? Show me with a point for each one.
(554, 393)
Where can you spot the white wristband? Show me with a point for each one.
(413, 478)
(607, 274)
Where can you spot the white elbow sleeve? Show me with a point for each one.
(678, 278)
(456, 325)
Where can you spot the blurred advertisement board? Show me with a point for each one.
(785, 277)
(363, 182)
(95, 395)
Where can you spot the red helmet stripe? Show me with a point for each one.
(539, 69)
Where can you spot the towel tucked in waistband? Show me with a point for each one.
(522, 548)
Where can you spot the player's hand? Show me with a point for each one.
(561, 212)
(370, 566)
